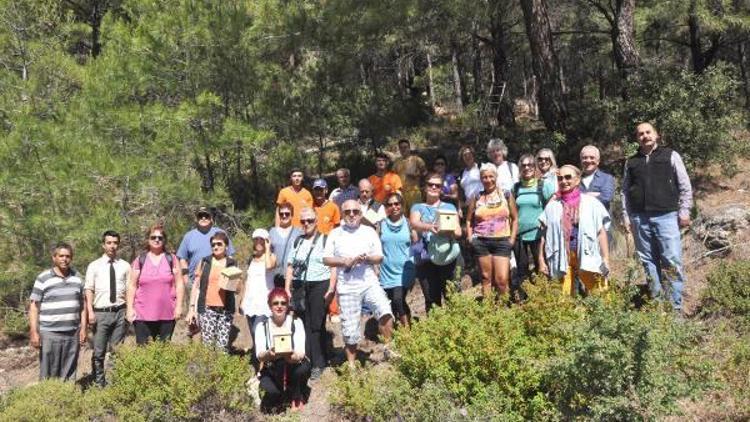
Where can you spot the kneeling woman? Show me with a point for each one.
(213, 306)
(283, 375)
(574, 243)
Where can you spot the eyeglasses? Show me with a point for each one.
(434, 185)
(204, 217)
(365, 190)
(278, 303)
(307, 220)
(352, 212)
(544, 159)
(156, 238)
(527, 164)
(393, 204)
(217, 244)
(565, 177)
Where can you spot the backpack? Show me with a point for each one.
(268, 331)
(142, 261)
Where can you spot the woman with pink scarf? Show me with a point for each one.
(574, 248)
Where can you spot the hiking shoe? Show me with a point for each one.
(316, 373)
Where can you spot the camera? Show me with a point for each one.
(298, 268)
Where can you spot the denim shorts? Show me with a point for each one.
(484, 246)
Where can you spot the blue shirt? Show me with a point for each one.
(316, 270)
(397, 268)
(429, 214)
(530, 206)
(196, 245)
(281, 246)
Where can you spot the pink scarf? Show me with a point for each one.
(570, 202)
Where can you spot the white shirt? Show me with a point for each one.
(97, 280)
(258, 285)
(586, 180)
(471, 182)
(507, 175)
(347, 243)
(263, 340)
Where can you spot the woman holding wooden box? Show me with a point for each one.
(210, 304)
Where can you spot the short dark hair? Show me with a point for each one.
(440, 157)
(382, 155)
(62, 245)
(220, 236)
(296, 170)
(110, 233)
(404, 141)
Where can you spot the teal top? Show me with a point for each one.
(530, 205)
(397, 268)
(316, 270)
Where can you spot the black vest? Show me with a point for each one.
(228, 296)
(653, 182)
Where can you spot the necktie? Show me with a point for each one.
(112, 286)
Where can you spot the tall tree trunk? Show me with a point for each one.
(545, 64)
(625, 51)
(700, 59)
(477, 67)
(501, 96)
(430, 82)
(458, 88)
(742, 52)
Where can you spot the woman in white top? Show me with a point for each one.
(259, 283)
(284, 374)
(471, 185)
(507, 172)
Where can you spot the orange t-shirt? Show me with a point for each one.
(299, 200)
(214, 294)
(328, 216)
(382, 186)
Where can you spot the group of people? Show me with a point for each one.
(361, 248)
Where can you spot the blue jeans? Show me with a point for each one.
(657, 240)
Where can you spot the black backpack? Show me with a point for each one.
(539, 191)
(142, 261)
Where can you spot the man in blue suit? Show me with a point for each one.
(594, 181)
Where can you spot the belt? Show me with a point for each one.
(110, 308)
(215, 308)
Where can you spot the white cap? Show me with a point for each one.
(260, 233)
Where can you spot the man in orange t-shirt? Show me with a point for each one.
(295, 195)
(383, 181)
(327, 211)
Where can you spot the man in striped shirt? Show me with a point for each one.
(57, 316)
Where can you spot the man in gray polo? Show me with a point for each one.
(57, 316)
(105, 288)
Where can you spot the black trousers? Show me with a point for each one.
(526, 253)
(433, 279)
(272, 382)
(314, 319)
(156, 330)
(397, 296)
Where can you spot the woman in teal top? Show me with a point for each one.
(531, 196)
(397, 269)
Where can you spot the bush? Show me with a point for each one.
(50, 400)
(169, 381)
(552, 358)
(728, 292)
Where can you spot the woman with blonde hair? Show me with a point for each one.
(547, 166)
(574, 247)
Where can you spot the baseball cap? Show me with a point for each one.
(320, 183)
(260, 233)
(203, 210)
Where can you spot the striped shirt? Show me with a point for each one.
(60, 300)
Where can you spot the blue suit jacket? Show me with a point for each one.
(604, 183)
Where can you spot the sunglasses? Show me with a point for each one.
(565, 177)
(204, 217)
(393, 204)
(544, 159)
(156, 238)
(434, 185)
(527, 164)
(217, 244)
(285, 214)
(307, 220)
(352, 212)
(278, 303)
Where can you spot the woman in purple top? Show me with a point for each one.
(449, 192)
(156, 289)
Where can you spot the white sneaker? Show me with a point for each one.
(335, 319)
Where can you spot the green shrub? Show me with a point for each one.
(551, 358)
(728, 292)
(14, 322)
(51, 400)
(169, 381)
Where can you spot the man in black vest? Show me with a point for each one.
(656, 202)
